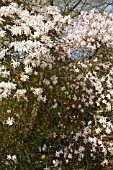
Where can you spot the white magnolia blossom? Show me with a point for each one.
(20, 93)
(15, 63)
(2, 53)
(10, 121)
(105, 162)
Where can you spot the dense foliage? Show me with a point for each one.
(56, 88)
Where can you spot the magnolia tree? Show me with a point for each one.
(56, 111)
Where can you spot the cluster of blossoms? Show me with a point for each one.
(92, 135)
(36, 73)
(13, 158)
(93, 30)
(5, 89)
(37, 48)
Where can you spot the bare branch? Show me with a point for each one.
(75, 5)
